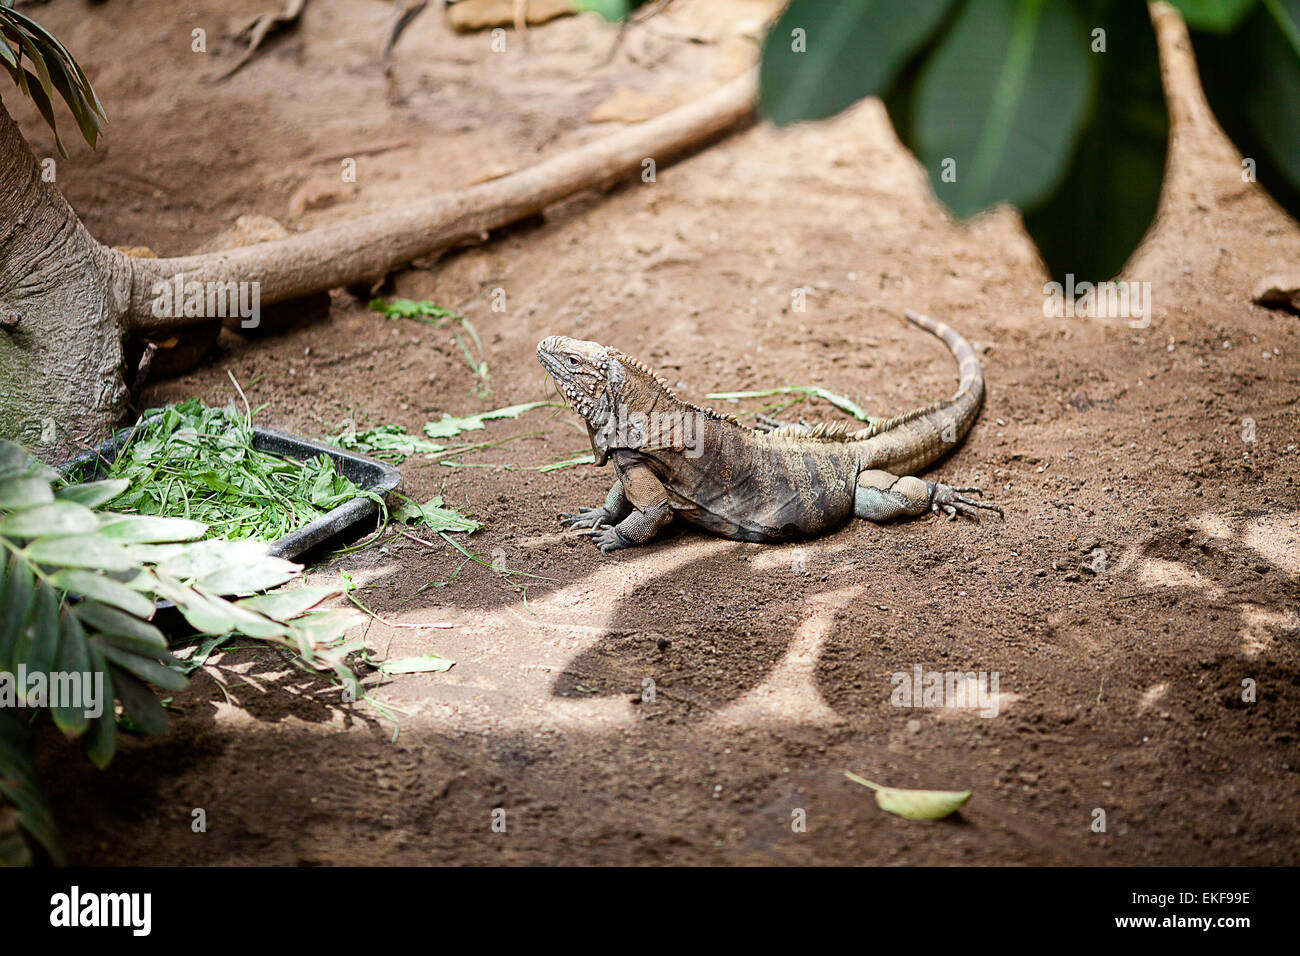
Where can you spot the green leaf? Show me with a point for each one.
(24, 491)
(38, 644)
(1001, 102)
(56, 69)
(19, 596)
(14, 460)
(73, 658)
(104, 589)
(81, 110)
(53, 519)
(145, 668)
(433, 516)
(80, 551)
(30, 85)
(391, 442)
(201, 654)
(449, 426)
(7, 54)
(209, 614)
(1252, 81)
(1108, 197)
(289, 603)
(204, 558)
(415, 665)
(37, 58)
(325, 627)
(101, 617)
(45, 630)
(847, 49)
(100, 740)
(266, 572)
(154, 553)
(92, 494)
(1217, 16)
(139, 703)
(915, 804)
(149, 529)
(611, 10)
(138, 645)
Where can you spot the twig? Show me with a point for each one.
(257, 31)
(404, 19)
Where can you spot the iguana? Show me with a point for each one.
(749, 484)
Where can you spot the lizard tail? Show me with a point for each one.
(908, 443)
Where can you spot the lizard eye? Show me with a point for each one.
(573, 361)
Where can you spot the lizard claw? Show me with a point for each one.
(584, 518)
(606, 538)
(953, 502)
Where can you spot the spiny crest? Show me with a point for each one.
(914, 414)
(845, 432)
(827, 431)
(628, 361)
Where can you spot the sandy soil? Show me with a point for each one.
(1119, 690)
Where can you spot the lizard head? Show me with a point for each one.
(611, 391)
(586, 374)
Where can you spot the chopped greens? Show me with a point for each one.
(197, 462)
(390, 442)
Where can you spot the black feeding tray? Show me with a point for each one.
(336, 527)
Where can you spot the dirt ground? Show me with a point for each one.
(1120, 690)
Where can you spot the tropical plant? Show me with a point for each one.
(24, 43)
(79, 587)
(1055, 107)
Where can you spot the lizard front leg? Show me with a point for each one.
(650, 511)
(882, 497)
(615, 509)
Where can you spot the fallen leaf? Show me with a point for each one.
(915, 804)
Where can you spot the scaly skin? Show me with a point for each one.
(787, 483)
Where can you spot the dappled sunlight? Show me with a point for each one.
(1152, 696)
(1260, 627)
(1273, 541)
(508, 658)
(1276, 538)
(789, 694)
(1155, 572)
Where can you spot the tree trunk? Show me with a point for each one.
(62, 300)
(66, 302)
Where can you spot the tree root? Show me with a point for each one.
(258, 30)
(366, 249)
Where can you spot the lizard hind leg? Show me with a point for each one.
(882, 497)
